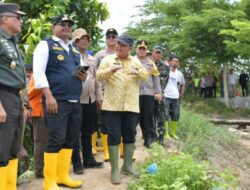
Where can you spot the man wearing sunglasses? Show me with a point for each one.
(12, 80)
(111, 40)
(55, 60)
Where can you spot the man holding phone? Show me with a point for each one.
(54, 62)
(90, 100)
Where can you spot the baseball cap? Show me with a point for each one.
(62, 18)
(126, 39)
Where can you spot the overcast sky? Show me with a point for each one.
(120, 13)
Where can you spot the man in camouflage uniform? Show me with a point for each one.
(159, 112)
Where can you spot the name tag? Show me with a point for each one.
(57, 48)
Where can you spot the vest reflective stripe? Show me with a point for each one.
(61, 65)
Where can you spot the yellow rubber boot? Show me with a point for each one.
(49, 171)
(173, 127)
(63, 178)
(105, 147)
(3, 178)
(166, 136)
(12, 174)
(94, 140)
(121, 149)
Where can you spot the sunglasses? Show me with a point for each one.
(15, 16)
(111, 36)
(63, 24)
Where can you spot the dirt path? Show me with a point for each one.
(97, 179)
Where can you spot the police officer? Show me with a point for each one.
(12, 80)
(159, 113)
(150, 90)
(111, 40)
(55, 64)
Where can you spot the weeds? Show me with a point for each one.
(179, 171)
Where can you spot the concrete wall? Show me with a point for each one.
(238, 102)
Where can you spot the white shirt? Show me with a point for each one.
(232, 79)
(40, 61)
(175, 78)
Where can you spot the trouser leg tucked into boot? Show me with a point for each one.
(63, 177)
(174, 125)
(127, 167)
(105, 146)
(49, 171)
(3, 178)
(12, 174)
(114, 156)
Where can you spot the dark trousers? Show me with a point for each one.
(209, 92)
(100, 122)
(203, 92)
(11, 130)
(120, 124)
(88, 126)
(63, 127)
(159, 116)
(172, 109)
(40, 136)
(244, 89)
(147, 114)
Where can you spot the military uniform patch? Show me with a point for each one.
(60, 57)
(13, 65)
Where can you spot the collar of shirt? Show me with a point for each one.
(128, 58)
(62, 43)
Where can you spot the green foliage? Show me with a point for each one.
(240, 41)
(37, 22)
(190, 28)
(179, 171)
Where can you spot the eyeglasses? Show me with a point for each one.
(111, 36)
(63, 24)
(15, 16)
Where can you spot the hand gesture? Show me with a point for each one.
(3, 114)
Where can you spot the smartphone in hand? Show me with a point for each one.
(80, 69)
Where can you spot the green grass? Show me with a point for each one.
(208, 157)
(212, 106)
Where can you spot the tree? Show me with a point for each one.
(240, 43)
(191, 29)
(40, 13)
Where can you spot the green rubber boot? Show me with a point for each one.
(127, 167)
(113, 157)
(166, 130)
(174, 125)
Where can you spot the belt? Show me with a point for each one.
(9, 89)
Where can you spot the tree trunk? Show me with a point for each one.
(226, 100)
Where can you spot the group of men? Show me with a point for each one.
(69, 87)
